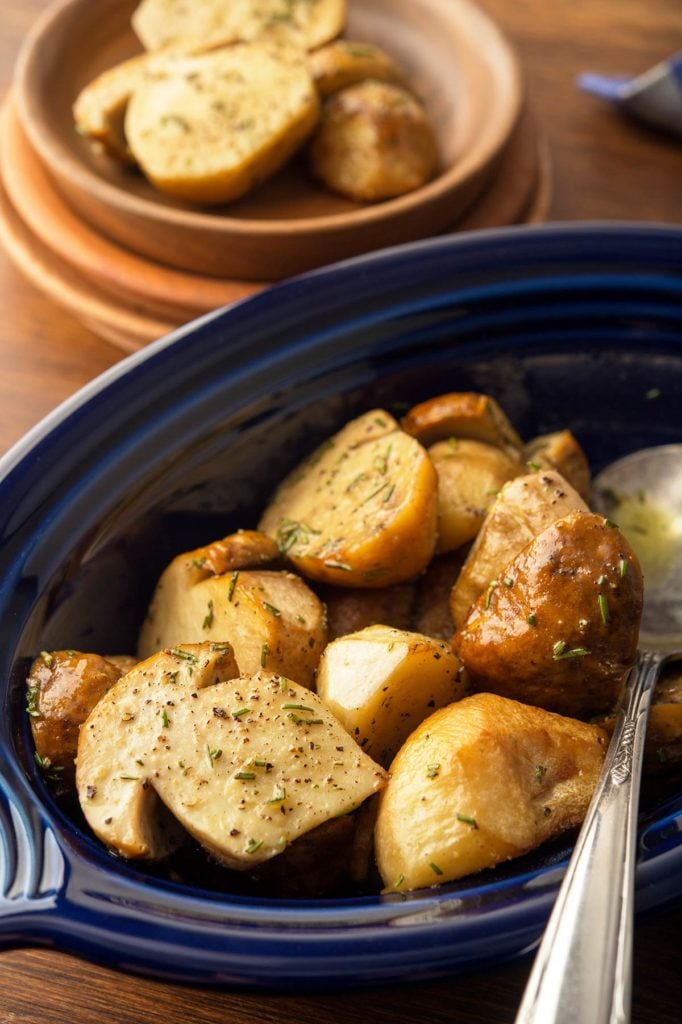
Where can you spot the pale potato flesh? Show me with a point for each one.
(375, 141)
(245, 765)
(216, 124)
(479, 782)
(470, 474)
(381, 682)
(462, 414)
(164, 23)
(99, 109)
(344, 62)
(521, 510)
(271, 619)
(361, 511)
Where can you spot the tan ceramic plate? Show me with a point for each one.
(455, 58)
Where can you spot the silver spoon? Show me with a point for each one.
(583, 967)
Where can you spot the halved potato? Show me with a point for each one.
(479, 782)
(521, 510)
(470, 474)
(62, 689)
(462, 414)
(561, 451)
(375, 141)
(245, 765)
(360, 511)
(162, 23)
(343, 62)
(219, 123)
(381, 682)
(559, 627)
(271, 619)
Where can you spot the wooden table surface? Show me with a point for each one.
(604, 168)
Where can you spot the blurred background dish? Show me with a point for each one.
(455, 58)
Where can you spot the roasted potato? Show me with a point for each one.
(218, 123)
(344, 62)
(352, 608)
(521, 510)
(479, 782)
(381, 682)
(360, 511)
(62, 689)
(558, 628)
(245, 765)
(375, 141)
(561, 451)
(470, 474)
(173, 23)
(462, 414)
(99, 109)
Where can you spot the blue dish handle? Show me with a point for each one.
(32, 866)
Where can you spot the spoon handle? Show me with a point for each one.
(583, 968)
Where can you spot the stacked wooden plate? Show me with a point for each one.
(132, 264)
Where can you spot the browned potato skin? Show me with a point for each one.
(245, 549)
(556, 582)
(351, 609)
(561, 451)
(479, 782)
(462, 414)
(63, 688)
(374, 142)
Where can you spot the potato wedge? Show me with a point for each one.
(470, 474)
(522, 509)
(360, 511)
(462, 414)
(99, 109)
(164, 23)
(559, 629)
(352, 608)
(271, 619)
(245, 765)
(375, 141)
(343, 62)
(380, 683)
(219, 123)
(561, 451)
(62, 689)
(479, 782)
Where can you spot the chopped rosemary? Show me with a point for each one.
(233, 583)
(489, 593)
(297, 707)
(560, 652)
(253, 845)
(32, 702)
(213, 755)
(279, 794)
(623, 567)
(245, 776)
(434, 867)
(47, 658)
(271, 608)
(129, 778)
(467, 820)
(532, 619)
(186, 655)
(399, 881)
(165, 721)
(604, 609)
(264, 651)
(540, 772)
(240, 712)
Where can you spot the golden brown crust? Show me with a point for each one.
(461, 414)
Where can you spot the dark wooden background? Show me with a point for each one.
(604, 168)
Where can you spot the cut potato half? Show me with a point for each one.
(218, 123)
(245, 765)
(164, 23)
(521, 510)
(380, 683)
(479, 782)
(360, 511)
(470, 475)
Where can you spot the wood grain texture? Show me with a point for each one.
(605, 167)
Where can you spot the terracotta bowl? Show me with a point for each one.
(455, 58)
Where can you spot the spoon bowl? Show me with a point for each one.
(583, 968)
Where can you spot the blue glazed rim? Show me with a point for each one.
(340, 327)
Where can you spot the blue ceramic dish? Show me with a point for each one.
(577, 326)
